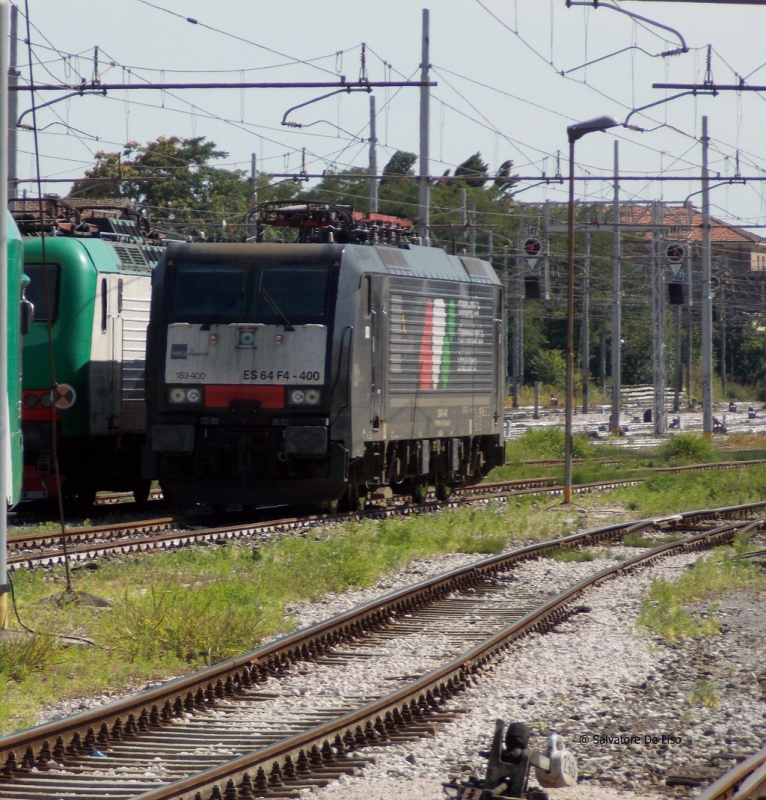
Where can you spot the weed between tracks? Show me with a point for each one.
(173, 612)
(671, 609)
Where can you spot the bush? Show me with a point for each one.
(18, 659)
(546, 443)
(550, 367)
(688, 448)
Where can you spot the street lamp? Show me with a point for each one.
(575, 132)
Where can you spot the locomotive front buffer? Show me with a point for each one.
(508, 767)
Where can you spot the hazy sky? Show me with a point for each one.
(498, 64)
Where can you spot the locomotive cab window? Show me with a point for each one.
(35, 292)
(204, 290)
(284, 294)
(297, 293)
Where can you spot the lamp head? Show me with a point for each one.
(579, 129)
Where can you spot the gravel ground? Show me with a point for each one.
(639, 434)
(595, 679)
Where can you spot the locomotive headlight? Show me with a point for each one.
(180, 394)
(177, 395)
(46, 401)
(297, 397)
(312, 397)
(247, 338)
(31, 400)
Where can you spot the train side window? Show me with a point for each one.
(119, 295)
(103, 305)
(35, 291)
(367, 294)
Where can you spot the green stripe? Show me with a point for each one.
(448, 339)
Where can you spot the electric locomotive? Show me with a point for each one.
(19, 316)
(312, 372)
(89, 279)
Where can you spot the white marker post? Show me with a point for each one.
(6, 480)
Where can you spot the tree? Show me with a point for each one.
(504, 181)
(400, 163)
(475, 171)
(174, 181)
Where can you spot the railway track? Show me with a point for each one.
(746, 781)
(136, 733)
(83, 544)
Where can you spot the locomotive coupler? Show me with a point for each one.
(508, 767)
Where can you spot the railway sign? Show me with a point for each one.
(532, 249)
(675, 255)
(64, 396)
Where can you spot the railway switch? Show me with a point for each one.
(508, 767)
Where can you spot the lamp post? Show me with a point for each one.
(574, 132)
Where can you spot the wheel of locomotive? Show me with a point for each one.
(80, 498)
(328, 506)
(419, 491)
(443, 489)
(354, 499)
(141, 491)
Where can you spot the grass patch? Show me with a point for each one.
(173, 612)
(546, 443)
(572, 555)
(636, 540)
(688, 448)
(704, 694)
(667, 612)
(24, 657)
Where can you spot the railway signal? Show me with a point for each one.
(532, 249)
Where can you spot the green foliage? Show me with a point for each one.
(190, 624)
(400, 163)
(572, 555)
(671, 493)
(704, 694)
(550, 367)
(474, 170)
(665, 609)
(749, 343)
(174, 181)
(546, 443)
(688, 448)
(21, 658)
(636, 540)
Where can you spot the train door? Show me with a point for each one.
(116, 324)
(378, 355)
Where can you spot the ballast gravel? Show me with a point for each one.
(627, 705)
(610, 690)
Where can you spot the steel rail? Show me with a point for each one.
(228, 780)
(79, 734)
(745, 781)
(154, 537)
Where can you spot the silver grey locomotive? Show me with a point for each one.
(314, 373)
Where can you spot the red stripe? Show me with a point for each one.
(426, 347)
(267, 396)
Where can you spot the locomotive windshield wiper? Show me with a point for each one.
(274, 307)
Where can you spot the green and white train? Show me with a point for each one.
(90, 280)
